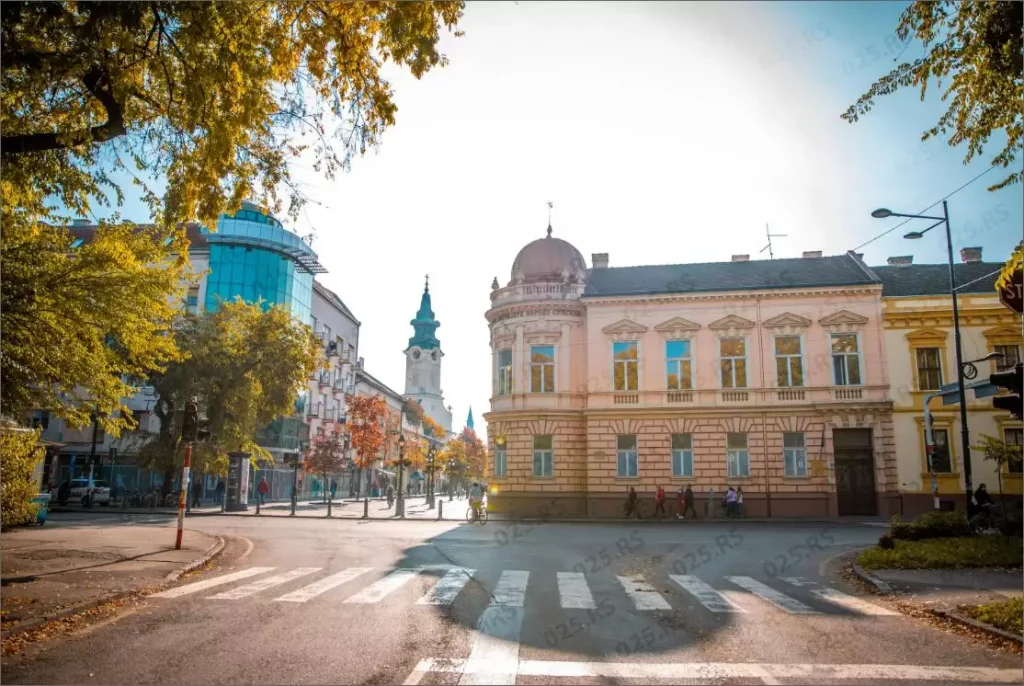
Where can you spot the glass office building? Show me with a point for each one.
(253, 256)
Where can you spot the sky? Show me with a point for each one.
(662, 132)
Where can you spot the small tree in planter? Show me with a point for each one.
(1003, 455)
(366, 414)
(325, 457)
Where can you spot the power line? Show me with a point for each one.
(945, 197)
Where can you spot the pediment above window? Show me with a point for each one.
(625, 330)
(731, 321)
(1002, 335)
(676, 328)
(843, 320)
(927, 337)
(787, 320)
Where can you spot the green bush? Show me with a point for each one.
(885, 542)
(19, 455)
(946, 553)
(932, 524)
(1005, 615)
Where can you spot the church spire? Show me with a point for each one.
(469, 419)
(424, 325)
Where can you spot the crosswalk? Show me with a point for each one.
(368, 586)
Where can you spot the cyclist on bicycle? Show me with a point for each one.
(476, 496)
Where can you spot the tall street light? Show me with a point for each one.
(451, 482)
(883, 213)
(430, 477)
(400, 503)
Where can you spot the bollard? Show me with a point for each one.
(258, 503)
(440, 510)
(366, 509)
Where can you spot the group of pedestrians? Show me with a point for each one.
(733, 502)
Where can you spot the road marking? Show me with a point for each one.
(707, 596)
(263, 584)
(642, 594)
(779, 600)
(382, 587)
(798, 581)
(494, 657)
(574, 593)
(324, 585)
(711, 671)
(447, 589)
(210, 583)
(852, 602)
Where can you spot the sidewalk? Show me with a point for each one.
(48, 573)
(944, 589)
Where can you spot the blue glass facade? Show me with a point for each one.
(253, 257)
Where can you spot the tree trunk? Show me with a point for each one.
(168, 481)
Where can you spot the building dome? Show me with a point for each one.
(548, 259)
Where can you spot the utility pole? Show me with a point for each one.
(189, 433)
(92, 458)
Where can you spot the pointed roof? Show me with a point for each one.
(424, 325)
(469, 419)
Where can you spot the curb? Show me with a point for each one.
(981, 626)
(213, 551)
(870, 579)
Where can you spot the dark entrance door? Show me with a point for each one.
(855, 472)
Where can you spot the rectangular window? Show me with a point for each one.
(625, 361)
(929, 369)
(627, 455)
(542, 369)
(733, 353)
(682, 455)
(845, 359)
(795, 453)
(941, 462)
(542, 455)
(1011, 356)
(789, 364)
(504, 372)
(1014, 437)
(499, 462)
(192, 300)
(737, 454)
(677, 359)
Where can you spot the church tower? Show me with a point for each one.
(423, 364)
(469, 420)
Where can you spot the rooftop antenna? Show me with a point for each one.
(771, 235)
(551, 206)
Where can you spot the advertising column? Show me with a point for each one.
(238, 482)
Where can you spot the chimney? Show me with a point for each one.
(81, 222)
(859, 255)
(970, 254)
(359, 364)
(741, 258)
(901, 261)
(811, 254)
(600, 260)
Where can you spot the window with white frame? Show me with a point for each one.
(627, 455)
(929, 369)
(682, 455)
(1010, 357)
(625, 358)
(500, 464)
(677, 362)
(192, 300)
(794, 453)
(504, 372)
(789, 363)
(1014, 438)
(733, 355)
(737, 454)
(542, 369)
(845, 359)
(941, 461)
(542, 455)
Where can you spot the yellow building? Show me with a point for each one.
(921, 357)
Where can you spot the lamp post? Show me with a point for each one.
(451, 484)
(430, 477)
(400, 502)
(883, 213)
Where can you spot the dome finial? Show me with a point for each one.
(550, 206)
(426, 284)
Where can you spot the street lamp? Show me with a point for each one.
(970, 371)
(430, 477)
(883, 213)
(451, 484)
(400, 503)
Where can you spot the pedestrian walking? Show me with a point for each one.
(679, 503)
(197, 492)
(220, 491)
(739, 501)
(262, 490)
(632, 503)
(687, 505)
(659, 501)
(730, 502)
(334, 488)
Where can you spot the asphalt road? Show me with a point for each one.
(320, 601)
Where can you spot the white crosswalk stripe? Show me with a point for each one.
(850, 602)
(642, 594)
(211, 583)
(494, 656)
(780, 600)
(448, 588)
(574, 593)
(383, 587)
(705, 595)
(511, 589)
(263, 584)
(313, 590)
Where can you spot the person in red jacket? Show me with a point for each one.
(659, 501)
(263, 488)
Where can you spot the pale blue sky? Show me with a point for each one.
(663, 132)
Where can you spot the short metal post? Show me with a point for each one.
(366, 509)
(440, 510)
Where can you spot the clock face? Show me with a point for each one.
(415, 354)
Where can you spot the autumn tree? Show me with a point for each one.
(366, 414)
(326, 456)
(20, 455)
(453, 460)
(476, 453)
(975, 50)
(246, 366)
(432, 428)
(81, 323)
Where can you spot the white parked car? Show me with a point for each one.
(100, 492)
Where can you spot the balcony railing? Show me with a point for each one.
(790, 394)
(339, 384)
(626, 398)
(847, 393)
(325, 378)
(679, 397)
(333, 349)
(313, 410)
(329, 414)
(732, 396)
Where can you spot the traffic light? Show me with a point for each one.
(1012, 381)
(190, 422)
(203, 431)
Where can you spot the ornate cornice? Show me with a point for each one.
(676, 328)
(866, 292)
(625, 330)
(843, 320)
(729, 322)
(787, 320)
